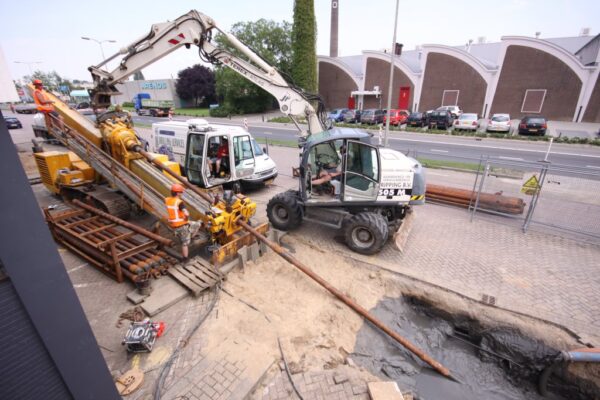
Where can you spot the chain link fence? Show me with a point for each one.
(523, 194)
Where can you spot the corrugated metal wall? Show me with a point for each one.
(26, 369)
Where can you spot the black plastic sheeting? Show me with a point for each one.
(489, 364)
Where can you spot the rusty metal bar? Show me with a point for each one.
(347, 300)
(126, 224)
(116, 263)
(99, 229)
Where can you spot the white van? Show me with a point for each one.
(200, 147)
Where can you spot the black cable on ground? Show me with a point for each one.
(167, 366)
(287, 370)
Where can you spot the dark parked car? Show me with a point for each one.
(372, 116)
(533, 125)
(417, 119)
(337, 115)
(29, 108)
(352, 116)
(13, 123)
(440, 119)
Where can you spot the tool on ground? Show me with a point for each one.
(349, 302)
(129, 382)
(140, 336)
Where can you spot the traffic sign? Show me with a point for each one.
(531, 186)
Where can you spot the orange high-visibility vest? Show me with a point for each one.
(39, 97)
(176, 217)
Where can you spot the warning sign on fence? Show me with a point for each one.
(531, 186)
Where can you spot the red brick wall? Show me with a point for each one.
(335, 85)
(378, 74)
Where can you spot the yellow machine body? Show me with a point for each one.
(59, 169)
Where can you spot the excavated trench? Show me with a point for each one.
(489, 362)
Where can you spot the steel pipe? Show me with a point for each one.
(348, 301)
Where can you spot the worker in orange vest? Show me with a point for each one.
(179, 221)
(44, 105)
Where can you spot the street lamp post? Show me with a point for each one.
(29, 65)
(100, 43)
(393, 52)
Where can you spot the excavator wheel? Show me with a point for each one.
(366, 232)
(284, 211)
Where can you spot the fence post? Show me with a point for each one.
(475, 182)
(536, 196)
(485, 172)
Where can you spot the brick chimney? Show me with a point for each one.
(333, 39)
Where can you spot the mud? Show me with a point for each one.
(490, 363)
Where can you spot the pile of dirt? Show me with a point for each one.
(271, 299)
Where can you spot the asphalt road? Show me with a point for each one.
(437, 147)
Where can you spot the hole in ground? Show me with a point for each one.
(490, 363)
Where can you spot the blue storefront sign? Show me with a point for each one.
(154, 85)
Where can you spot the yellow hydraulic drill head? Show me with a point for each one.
(120, 138)
(223, 217)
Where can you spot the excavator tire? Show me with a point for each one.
(284, 211)
(366, 232)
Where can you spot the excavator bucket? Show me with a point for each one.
(401, 235)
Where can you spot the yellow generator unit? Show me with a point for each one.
(60, 169)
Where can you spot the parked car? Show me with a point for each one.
(467, 121)
(533, 125)
(337, 115)
(397, 117)
(84, 108)
(440, 119)
(29, 108)
(13, 123)
(454, 110)
(352, 116)
(372, 116)
(498, 123)
(417, 119)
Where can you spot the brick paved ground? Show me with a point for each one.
(317, 385)
(542, 275)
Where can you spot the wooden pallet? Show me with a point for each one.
(196, 275)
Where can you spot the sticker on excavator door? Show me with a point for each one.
(531, 186)
(394, 194)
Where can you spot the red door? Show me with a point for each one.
(351, 102)
(403, 98)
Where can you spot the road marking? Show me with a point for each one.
(264, 133)
(592, 166)
(511, 158)
(439, 151)
(494, 147)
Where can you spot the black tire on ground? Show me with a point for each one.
(284, 211)
(366, 233)
(236, 187)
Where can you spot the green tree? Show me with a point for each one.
(197, 84)
(269, 39)
(304, 38)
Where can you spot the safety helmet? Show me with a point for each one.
(37, 82)
(177, 188)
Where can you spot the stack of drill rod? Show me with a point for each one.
(464, 198)
(114, 246)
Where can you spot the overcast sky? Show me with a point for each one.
(50, 32)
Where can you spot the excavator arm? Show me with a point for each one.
(195, 28)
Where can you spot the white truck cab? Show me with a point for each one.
(200, 148)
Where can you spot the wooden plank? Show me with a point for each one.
(207, 268)
(59, 216)
(185, 281)
(210, 281)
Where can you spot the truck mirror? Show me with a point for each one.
(265, 150)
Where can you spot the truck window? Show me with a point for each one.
(242, 149)
(256, 147)
(362, 171)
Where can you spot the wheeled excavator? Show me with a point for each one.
(376, 188)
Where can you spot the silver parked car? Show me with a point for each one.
(467, 121)
(498, 123)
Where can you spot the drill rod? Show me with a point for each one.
(348, 301)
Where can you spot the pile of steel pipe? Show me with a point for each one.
(110, 244)
(465, 198)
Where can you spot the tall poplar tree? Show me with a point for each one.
(304, 43)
